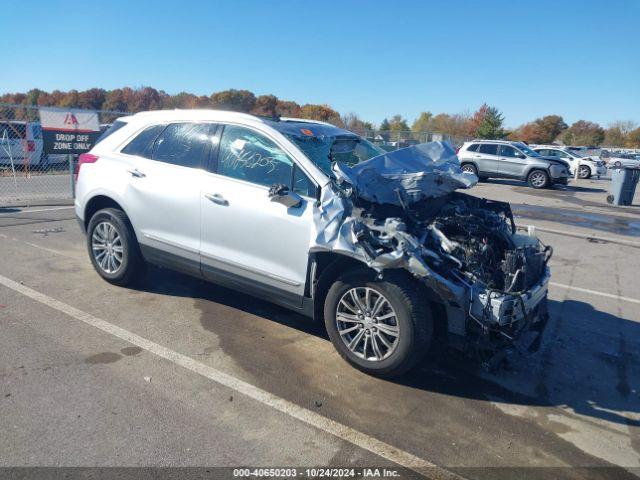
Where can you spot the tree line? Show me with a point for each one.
(486, 122)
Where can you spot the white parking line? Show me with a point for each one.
(594, 292)
(35, 210)
(362, 440)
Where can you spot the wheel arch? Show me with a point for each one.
(98, 202)
(328, 266)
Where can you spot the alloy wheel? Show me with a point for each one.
(583, 171)
(538, 179)
(106, 247)
(367, 324)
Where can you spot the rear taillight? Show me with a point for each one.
(457, 150)
(82, 159)
(31, 146)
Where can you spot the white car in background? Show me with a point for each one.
(587, 166)
(20, 143)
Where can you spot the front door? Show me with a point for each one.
(512, 162)
(248, 241)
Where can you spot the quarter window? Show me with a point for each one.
(250, 156)
(182, 144)
(142, 144)
(301, 183)
(473, 148)
(489, 148)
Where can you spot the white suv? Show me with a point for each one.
(315, 218)
(587, 167)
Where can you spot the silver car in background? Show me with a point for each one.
(504, 159)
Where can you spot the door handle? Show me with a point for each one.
(136, 173)
(217, 198)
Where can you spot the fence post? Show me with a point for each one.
(72, 177)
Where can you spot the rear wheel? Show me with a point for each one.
(584, 172)
(538, 179)
(381, 327)
(113, 247)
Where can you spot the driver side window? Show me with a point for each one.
(248, 155)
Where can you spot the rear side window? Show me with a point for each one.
(117, 125)
(142, 144)
(473, 147)
(489, 148)
(182, 144)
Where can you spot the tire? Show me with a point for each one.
(538, 179)
(584, 172)
(123, 268)
(471, 168)
(617, 164)
(407, 312)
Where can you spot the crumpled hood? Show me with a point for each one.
(556, 161)
(408, 175)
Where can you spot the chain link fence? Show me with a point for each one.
(394, 140)
(27, 174)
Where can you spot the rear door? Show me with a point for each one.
(512, 163)
(487, 159)
(163, 200)
(248, 241)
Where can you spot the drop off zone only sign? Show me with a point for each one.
(68, 131)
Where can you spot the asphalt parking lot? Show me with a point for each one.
(177, 372)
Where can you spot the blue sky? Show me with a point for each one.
(579, 59)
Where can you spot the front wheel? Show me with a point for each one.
(538, 179)
(381, 327)
(113, 247)
(584, 172)
(469, 168)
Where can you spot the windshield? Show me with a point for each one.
(325, 149)
(527, 151)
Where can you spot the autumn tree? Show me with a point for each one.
(286, 108)
(541, 130)
(583, 132)
(633, 139)
(235, 100)
(617, 133)
(323, 113)
(354, 123)
(266, 105)
(398, 124)
(422, 123)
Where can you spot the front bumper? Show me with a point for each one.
(560, 180)
(506, 322)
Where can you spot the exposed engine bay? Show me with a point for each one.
(402, 210)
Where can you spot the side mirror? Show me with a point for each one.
(280, 193)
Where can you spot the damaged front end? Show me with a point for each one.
(402, 210)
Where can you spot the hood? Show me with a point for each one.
(406, 176)
(556, 161)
